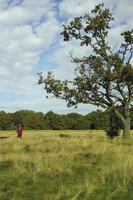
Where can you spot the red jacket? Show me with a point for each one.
(20, 131)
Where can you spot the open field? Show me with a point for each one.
(65, 165)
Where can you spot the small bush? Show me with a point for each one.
(111, 133)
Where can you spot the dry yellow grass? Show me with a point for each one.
(61, 165)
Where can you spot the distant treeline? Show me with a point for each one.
(72, 121)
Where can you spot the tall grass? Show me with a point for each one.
(65, 165)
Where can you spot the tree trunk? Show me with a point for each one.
(125, 121)
(126, 129)
(126, 124)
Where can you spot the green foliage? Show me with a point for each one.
(77, 122)
(53, 121)
(114, 125)
(95, 120)
(98, 120)
(112, 132)
(29, 119)
(5, 121)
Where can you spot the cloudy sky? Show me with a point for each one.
(30, 42)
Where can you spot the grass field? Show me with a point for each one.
(65, 165)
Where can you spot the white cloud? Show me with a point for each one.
(122, 10)
(28, 11)
(20, 46)
(41, 105)
(28, 29)
(61, 58)
(72, 8)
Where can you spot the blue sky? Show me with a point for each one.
(30, 42)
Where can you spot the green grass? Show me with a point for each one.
(65, 165)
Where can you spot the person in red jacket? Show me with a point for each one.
(19, 131)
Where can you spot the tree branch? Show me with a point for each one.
(131, 54)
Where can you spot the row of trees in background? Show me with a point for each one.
(72, 121)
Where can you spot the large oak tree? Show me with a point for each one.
(103, 78)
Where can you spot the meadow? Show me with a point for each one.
(65, 165)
